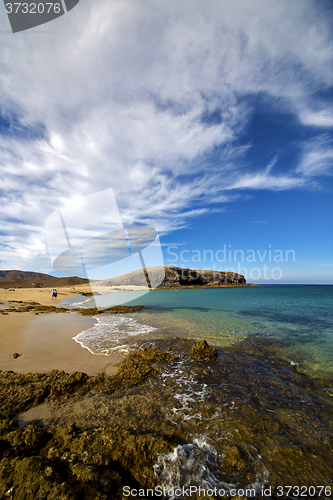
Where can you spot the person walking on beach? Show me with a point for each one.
(54, 294)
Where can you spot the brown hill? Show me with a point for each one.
(27, 279)
(18, 275)
(175, 277)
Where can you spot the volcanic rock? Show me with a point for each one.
(202, 351)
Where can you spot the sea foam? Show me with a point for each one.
(112, 334)
(199, 464)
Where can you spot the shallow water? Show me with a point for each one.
(270, 427)
(295, 320)
(243, 421)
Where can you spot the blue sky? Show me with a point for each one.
(211, 122)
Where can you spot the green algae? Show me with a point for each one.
(63, 461)
(202, 351)
(124, 309)
(19, 392)
(264, 418)
(141, 365)
(91, 311)
(36, 308)
(31, 306)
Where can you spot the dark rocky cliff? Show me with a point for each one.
(177, 276)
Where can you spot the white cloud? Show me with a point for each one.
(120, 91)
(262, 180)
(321, 118)
(317, 157)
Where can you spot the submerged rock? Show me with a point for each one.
(202, 351)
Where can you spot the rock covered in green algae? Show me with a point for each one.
(64, 462)
(142, 364)
(41, 309)
(273, 418)
(20, 392)
(31, 306)
(93, 311)
(202, 351)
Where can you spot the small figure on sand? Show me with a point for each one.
(54, 294)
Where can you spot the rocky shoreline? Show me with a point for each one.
(241, 416)
(20, 306)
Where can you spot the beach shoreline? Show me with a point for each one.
(45, 342)
(247, 417)
(168, 417)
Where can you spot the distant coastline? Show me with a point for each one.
(153, 277)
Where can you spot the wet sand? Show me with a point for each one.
(46, 342)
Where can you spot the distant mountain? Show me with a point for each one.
(28, 279)
(172, 277)
(19, 275)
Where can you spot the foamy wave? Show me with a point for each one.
(194, 464)
(198, 464)
(187, 391)
(81, 303)
(112, 334)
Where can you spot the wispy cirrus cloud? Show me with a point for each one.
(317, 157)
(152, 99)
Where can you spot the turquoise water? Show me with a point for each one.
(294, 322)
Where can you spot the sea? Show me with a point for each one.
(292, 322)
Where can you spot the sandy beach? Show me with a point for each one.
(43, 295)
(46, 342)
